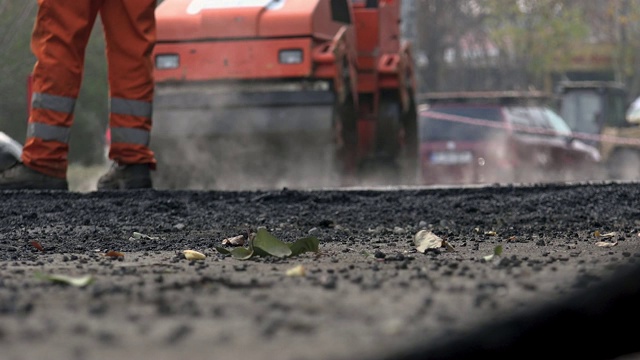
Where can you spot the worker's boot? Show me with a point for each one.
(126, 176)
(19, 176)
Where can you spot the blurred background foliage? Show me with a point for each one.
(458, 45)
(505, 45)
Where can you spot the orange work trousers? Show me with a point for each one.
(59, 40)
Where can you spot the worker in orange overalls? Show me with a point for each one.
(59, 39)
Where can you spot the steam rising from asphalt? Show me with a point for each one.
(204, 138)
(245, 163)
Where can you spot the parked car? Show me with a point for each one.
(499, 137)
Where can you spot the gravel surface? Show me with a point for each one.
(367, 293)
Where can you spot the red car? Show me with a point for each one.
(499, 137)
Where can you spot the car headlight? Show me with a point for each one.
(167, 61)
(290, 56)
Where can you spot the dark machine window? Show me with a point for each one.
(582, 111)
(617, 110)
(340, 11)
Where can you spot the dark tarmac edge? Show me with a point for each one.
(589, 324)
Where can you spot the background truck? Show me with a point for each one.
(596, 111)
(282, 93)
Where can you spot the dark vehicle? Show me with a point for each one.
(499, 137)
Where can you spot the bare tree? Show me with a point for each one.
(441, 26)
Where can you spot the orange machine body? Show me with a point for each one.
(327, 68)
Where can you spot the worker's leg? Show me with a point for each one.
(59, 39)
(130, 35)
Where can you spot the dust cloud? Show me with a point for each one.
(244, 163)
(209, 137)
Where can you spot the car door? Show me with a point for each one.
(555, 143)
(531, 143)
(569, 153)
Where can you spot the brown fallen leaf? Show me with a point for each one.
(37, 245)
(235, 241)
(598, 234)
(114, 254)
(448, 246)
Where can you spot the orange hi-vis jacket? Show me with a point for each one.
(59, 40)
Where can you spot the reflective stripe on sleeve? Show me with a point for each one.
(53, 102)
(129, 136)
(131, 107)
(48, 132)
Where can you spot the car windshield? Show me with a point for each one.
(433, 129)
(558, 124)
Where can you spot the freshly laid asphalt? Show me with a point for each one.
(565, 283)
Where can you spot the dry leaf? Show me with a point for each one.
(235, 241)
(37, 245)
(490, 233)
(448, 246)
(608, 235)
(140, 236)
(113, 254)
(606, 244)
(193, 255)
(296, 271)
(425, 239)
(513, 238)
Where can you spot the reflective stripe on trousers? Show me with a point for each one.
(58, 41)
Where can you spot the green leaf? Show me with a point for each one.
(240, 253)
(497, 251)
(269, 244)
(222, 250)
(264, 244)
(308, 244)
(67, 280)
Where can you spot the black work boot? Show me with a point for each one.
(19, 176)
(126, 176)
